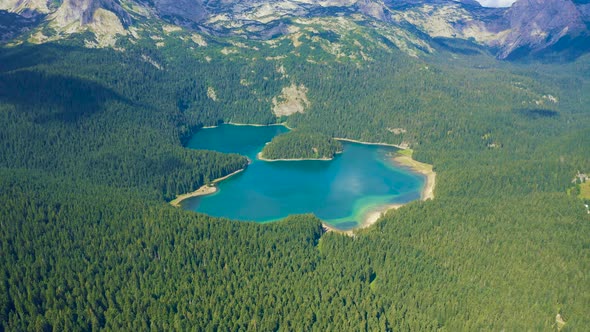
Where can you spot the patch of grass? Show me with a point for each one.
(585, 190)
(406, 152)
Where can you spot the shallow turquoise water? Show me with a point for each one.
(340, 191)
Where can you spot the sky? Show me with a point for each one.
(496, 3)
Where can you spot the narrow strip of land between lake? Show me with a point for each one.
(399, 146)
(203, 190)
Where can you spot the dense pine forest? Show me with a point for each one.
(301, 145)
(92, 150)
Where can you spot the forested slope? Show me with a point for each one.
(91, 149)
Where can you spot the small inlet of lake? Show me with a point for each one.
(342, 192)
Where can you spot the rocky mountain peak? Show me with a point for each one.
(83, 11)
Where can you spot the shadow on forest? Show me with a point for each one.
(537, 113)
(28, 81)
(567, 49)
(53, 97)
(26, 56)
(464, 47)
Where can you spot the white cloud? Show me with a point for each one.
(496, 3)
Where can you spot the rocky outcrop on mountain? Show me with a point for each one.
(529, 26)
(538, 24)
(82, 12)
(373, 9)
(181, 11)
(13, 25)
(26, 8)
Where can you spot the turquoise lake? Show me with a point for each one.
(341, 192)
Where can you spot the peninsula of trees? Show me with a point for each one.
(296, 145)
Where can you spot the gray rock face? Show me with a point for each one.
(189, 10)
(83, 11)
(538, 24)
(373, 9)
(585, 11)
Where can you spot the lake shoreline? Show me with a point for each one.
(403, 159)
(204, 190)
(247, 124)
(401, 147)
(421, 168)
(369, 219)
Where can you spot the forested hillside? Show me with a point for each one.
(91, 151)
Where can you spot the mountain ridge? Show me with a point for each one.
(527, 27)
